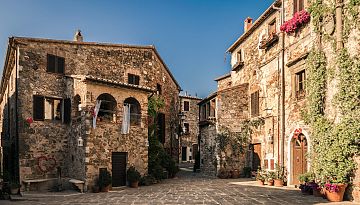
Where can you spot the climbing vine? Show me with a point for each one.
(334, 142)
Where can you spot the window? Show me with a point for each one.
(272, 28)
(55, 64)
(135, 111)
(107, 109)
(186, 105)
(161, 127)
(300, 84)
(46, 108)
(133, 79)
(76, 104)
(158, 89)
(298, 5)
(255, 104)
(239, 57)
(186, 128)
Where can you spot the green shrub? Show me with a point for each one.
(104, 178)
(133, 175)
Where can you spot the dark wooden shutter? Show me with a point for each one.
(186, 106)
(301, 5)
(67, 111)
(38, 107)
(50, 63)
(161, 127)
(60, 64)
(255, 104)
(130, 78)
(137, 80)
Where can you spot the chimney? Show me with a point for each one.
(78, 37)
(247, 24)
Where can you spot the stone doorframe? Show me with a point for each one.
(290, 154)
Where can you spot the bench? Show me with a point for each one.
(27, 182)
(78, 183)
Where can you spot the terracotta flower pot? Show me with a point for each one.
(278, 183)
(336, 196)
(134, 184)
(270, 183)
(14, 190)
(260, 182)
(235, 174)
(105, 189)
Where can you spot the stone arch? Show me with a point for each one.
(108, 107)
(290, 154)
(135, 110)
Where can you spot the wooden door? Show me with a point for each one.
(194, 151)
(183, 153)
(256, 156)
(118, 160)
(299, 162)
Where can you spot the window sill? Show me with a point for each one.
(269, 41)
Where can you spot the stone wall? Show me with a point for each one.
(208, 150)
(190, 138)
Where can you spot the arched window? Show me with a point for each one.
(107, 109)
(135, 110)
(76, 103)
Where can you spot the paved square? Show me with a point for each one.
(187, 188)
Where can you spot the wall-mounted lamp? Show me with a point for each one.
(80, 142)
(268, 111)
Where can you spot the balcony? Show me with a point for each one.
(268, 41)
(238, 65)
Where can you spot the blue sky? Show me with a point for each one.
(191, 35)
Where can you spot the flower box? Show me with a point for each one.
(267, 42)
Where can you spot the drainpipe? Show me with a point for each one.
(339, 29)
(282, 87)
(17, 175)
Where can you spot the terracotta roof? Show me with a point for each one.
(117, 83)
(209, 97)
(255, 25)
(222, 77)
(43, 40)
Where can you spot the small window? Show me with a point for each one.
(298, 5)
(272, 28)
(255, 104)
(76, 104)
(46, 108)
(300, 84)
(186, 128)
(186, 105)
(158, 89)
(239, 56)
(55, 64)
(133, 79)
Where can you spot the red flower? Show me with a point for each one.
(29, 120)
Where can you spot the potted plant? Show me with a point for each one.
(133, 176)
(104, 180)
(260, 177)
(316, 189)
(279, 176)
(334, 192)
(247, 172)
(14, 187)
(306, 181)
(270, 176)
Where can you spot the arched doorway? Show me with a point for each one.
(299, 148)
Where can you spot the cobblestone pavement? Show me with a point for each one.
(187, 188)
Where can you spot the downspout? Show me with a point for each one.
(282, 88)
(16, 113)
(339, 29)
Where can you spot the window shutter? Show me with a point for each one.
(257, 104)
(301, 5)
(50, 63)
(67, 111)
(60, 64)
(130, 78)
(38, 107)
(137, 80)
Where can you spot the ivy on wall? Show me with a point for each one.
(334, 142)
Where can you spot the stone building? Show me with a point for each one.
(207, 134)
(190, 129)
(73, 108)
(269, 71)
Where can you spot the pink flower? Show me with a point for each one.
(300, 18)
